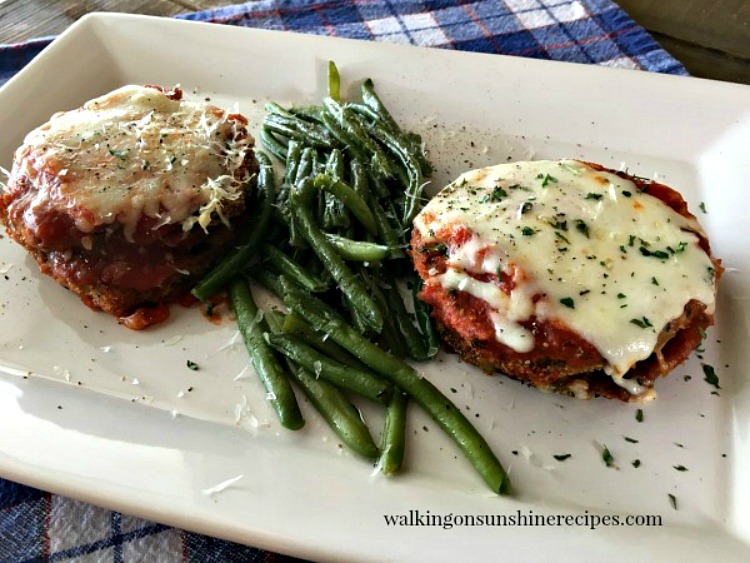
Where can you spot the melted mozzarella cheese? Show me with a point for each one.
(135, 152)
(583, 247)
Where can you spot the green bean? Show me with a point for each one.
(305, 166)
(308, 112)
(317, 166)
(361, 381)
(412, 338)
(413, 141)
(348, 121)
(348, 143)
(357, 318)
(296, 325)
(359, 179)
(394, 435)
(304, 169)
(274, 108)
(359, 251)
(336, 215)
(371, 100)
(415, 187)
(280, 263)
(222, 273)
(332, 404)
(351, 286)
(403, 376)
(424, 319)
(350, 199)
(335, 165)
(293, 155)
(280, 392)
(272, 144)
(365, 111)
(386, 232)
(378, 188)
(295, 128)
(334, 81)
(338, 412)
(390, 332)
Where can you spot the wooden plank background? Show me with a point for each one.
(710, 37)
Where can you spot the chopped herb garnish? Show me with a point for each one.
(661, 254)
(568, 302)
(562, 237)
(528, 231)
(702, 207)
(562, 457)
(680, 467)
(672, 500)
(654, 281)
(559, 222)
(498, 194)
(546, 179)
(631, 440)
(711, 377)
(607, 457)
(119, 154)
(639, 415)
(631, 240)
(636, 463)
(526, 207)
(582, 227)
(642, 322)
(592, 195)
(621, 296)
(192, 365)
(626, 193)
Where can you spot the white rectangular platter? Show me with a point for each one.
(94, 411)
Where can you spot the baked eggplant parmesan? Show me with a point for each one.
(566, 275)
(128, 199)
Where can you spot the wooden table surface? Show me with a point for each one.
(710, 37)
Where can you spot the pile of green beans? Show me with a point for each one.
(337, 227)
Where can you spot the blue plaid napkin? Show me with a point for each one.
(39, 526)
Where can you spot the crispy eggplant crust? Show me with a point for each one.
(561, 361)
(124, 265)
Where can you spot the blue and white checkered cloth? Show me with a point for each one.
(39, 526)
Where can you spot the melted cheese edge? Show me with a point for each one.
(610, 262)
(135, 152)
